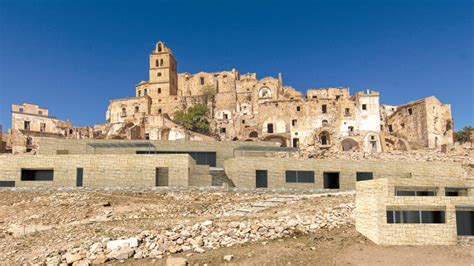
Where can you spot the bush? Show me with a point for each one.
(464, 135)
(194, 119)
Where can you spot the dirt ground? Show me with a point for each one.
(36, 224)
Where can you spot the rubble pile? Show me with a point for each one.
(203, 236)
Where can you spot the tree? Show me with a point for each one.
(464, 135)
(194, 119)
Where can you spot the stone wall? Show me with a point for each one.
(242, 170)
(375, 197)
(100, 171)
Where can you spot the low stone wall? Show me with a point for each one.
(242, 170)
(99, 171)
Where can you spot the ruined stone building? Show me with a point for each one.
(243, 107)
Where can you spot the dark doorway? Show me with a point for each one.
(261, 178)
(331, 180)
(269, 128)
(465, 222)
(161, 176)
(79, 177)
(296, 142)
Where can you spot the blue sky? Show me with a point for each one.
(73, 56)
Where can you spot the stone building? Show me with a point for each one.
(243, 107)
(416, 210)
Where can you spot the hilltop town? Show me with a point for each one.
(242, 107)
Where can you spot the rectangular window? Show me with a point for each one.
(324, 108)
(26, 125)
(293, 122)
(298, 108)
(465, 221)
(161, 176)
(270, 128)
(347, 112)
(415, 192)
(7, 183)
(390, 128)
(456, 192)
(362, 176)
(364, 107)
(42, 127)
(331, 180)
(202, 80)
(415, 217)
(79, 177)
(223, 130)
(299, 176)
(410, 111)
(37, 174)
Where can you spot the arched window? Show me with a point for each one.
(265, 92)
(139, 93)
(156, 63)
(159, 47)
(145, 92)
(324, 123)
(324, 138)
(161, 62)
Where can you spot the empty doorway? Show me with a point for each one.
(161, 176)
(331, 180)
(261, 180)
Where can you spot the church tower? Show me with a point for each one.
(163, 79)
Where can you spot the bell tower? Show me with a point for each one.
(163, 76)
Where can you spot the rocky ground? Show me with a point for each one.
(212, 226)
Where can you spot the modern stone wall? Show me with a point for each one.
(224, 149)
(100, 171)
(374, 197)
(241, 170)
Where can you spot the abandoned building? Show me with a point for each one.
(245, 108)
(415, 210)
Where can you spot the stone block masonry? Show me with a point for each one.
(98, 171)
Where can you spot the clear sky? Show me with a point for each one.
(73, 56)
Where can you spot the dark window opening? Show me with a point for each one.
(42, 127)
(390, 128)
(347, 112)
(159, 111)
(410, 111)
(223, 130)
(137, 109)
(156, 63)
(298, 108)
(324, 123)
(147, 136)
(261, 180)
(159, 90)
(364, 107)
(296, 142)
(226, 116)
(415, 217)
(6, 183)
(37, 174)
(159, 74)
(314, 97)
(331, 180)
(21, 110)
(363, 176)
(79, 177)
(299, 176)
(337, 97)
(465, 222)
(324, 108)
(202, 80)
(293, 122)
(161, 176)
(456, 192)
(145, 92)
(161, 62)
(415, 192)
(26, 125)
(40, 112)
(270, 128)
(243, 121)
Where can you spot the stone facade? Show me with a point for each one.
(376, 199)
(242, 171)
(100, 171)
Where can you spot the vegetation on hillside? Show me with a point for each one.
(195, 118)
(463, 135)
